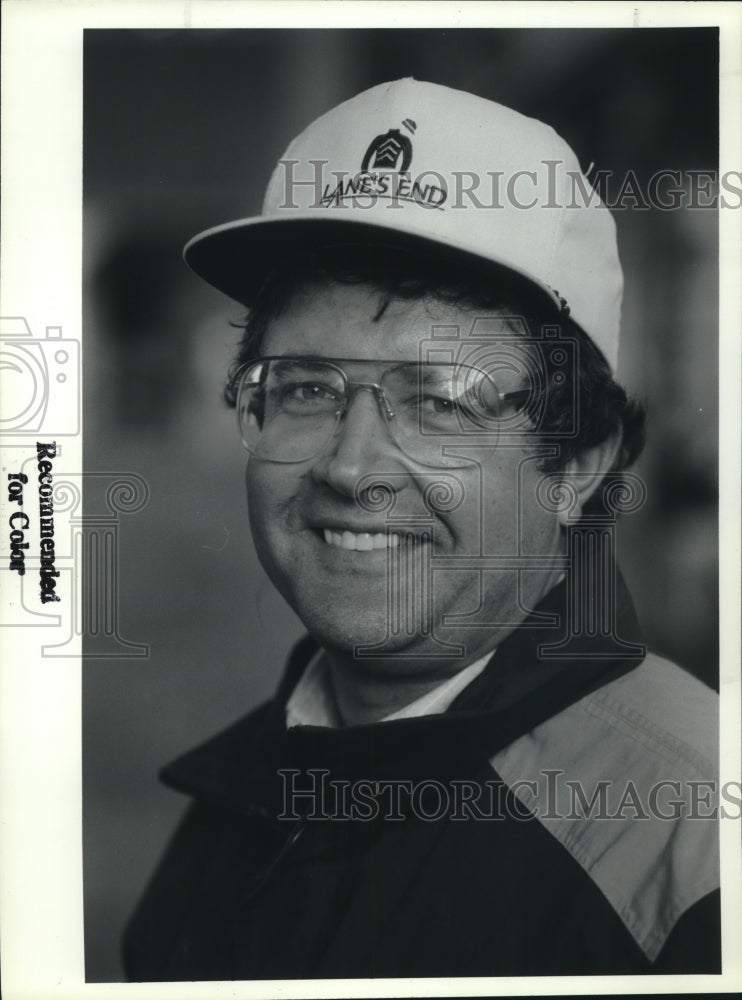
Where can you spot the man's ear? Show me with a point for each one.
(584, 473)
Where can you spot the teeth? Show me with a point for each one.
(350, 541)
(361, 541)
(364, 542)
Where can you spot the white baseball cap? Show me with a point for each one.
(415, 163)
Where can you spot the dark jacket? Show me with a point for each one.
(502, 837)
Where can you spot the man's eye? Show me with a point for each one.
(430, 404)
(308, 396)
(432, 410)
(439, 405)
(440, 411)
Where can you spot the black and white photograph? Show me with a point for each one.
(383, 504)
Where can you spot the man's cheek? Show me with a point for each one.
(263, 494)
(253, 482)
(262, 509)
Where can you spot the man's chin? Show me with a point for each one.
(352, 634)
(373, 641)
(362, 619)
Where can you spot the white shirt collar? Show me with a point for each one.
(312, 702)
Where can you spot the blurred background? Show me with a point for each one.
(181, 131)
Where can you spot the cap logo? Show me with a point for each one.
(385, 176)
(390, 151)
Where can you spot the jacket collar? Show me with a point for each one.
(540, 669)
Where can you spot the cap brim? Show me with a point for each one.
(237, 257)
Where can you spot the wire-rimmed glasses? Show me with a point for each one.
(290, 408)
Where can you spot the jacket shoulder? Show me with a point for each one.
(666, 701)
(625, 779)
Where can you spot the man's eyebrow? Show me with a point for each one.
(428, 373)
(382, 309)
(289, 367)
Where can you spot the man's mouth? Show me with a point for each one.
(362, 541)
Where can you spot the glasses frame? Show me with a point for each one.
(236, 384)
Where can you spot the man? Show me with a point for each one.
(471, 765)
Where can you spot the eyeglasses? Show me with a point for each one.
(290, 408)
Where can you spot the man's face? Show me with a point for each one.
(326, 546)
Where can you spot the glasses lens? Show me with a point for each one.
(439, 406)
(288, 409)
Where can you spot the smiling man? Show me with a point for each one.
(395, 435)
(471, 766)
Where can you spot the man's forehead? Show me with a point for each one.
(364, 319)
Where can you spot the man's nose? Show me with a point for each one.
(361, 446)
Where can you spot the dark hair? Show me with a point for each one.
(601, 404)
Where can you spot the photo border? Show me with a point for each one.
(40, 722)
